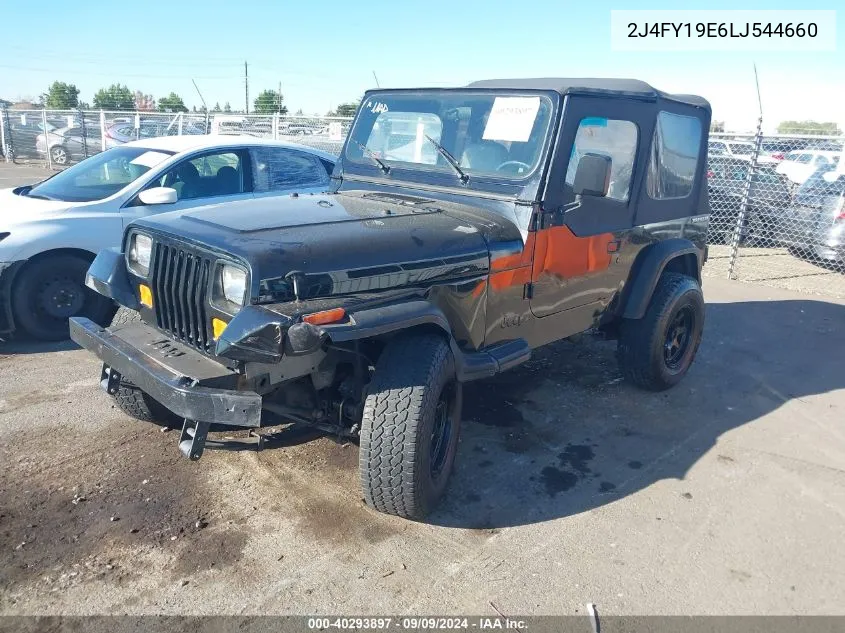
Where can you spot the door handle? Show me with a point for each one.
(613, 246)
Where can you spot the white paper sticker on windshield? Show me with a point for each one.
(149, 159)
(511, 119)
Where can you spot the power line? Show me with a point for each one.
(113, 73)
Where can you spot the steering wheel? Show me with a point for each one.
(511, 163)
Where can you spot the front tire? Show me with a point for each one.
(411, 422)
(656, 351)
(50, 290)
(133, 401)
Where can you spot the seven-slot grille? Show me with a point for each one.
(180, 281)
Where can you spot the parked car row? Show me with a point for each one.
(73, 143)
(808, 217)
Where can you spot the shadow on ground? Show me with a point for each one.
(22, 345)
(564, 434)
(557, 436)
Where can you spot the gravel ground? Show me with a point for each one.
(778, 268)
(725, 495)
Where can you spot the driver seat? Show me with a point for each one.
(484, 156)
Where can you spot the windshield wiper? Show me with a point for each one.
(384, 166)
(449, 159)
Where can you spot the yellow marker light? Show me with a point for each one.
(146, 295)
(218, 325)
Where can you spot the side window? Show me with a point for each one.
(214, 174)
(613, 138)
(804, 158)
(279, 169)
(674, 156)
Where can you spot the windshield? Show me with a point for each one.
(100, 176)
(487, 135)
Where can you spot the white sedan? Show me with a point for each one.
(799, 165)
(51, 231)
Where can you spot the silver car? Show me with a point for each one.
(69, 144)
(815, 225)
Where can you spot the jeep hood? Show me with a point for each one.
(344, 243)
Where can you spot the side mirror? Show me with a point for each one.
(592, 178)
(158, 195)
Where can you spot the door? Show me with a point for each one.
(279, 170)
(220, 175)
(578, 238)
(73, 143)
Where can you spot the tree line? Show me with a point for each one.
(65, 96)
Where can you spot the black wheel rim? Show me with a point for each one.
(60, 298)
(441, 432)
(678, 337)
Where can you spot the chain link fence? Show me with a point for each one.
(778, 216)
(73, 135)
(778, 211)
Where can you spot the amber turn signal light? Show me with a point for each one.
(217, 326)
(146, 295)
(326, 316)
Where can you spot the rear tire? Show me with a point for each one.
(51, 289)
(656, 351)
(133, 401)
(411, 422)
(59, 155)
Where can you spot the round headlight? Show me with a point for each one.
(140, 252)
(233, 280)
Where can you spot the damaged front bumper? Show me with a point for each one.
(189, 384)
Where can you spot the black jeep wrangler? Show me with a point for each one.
(462, 229)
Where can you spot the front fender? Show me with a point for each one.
(263, 334)
(367, 323)
(107, 275)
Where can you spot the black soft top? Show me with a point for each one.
(633, 88)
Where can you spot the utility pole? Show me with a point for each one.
(246, 89)
(280, 97)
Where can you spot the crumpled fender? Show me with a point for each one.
(265, 334)
(108, 276)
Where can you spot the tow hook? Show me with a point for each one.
(192, 439)
(110, 379)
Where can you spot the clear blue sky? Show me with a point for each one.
(325, 52)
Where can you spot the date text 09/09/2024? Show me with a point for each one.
(723, 29)
(417, 623)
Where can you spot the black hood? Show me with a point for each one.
(344, 243)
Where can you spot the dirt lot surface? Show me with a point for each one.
(723, 495)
